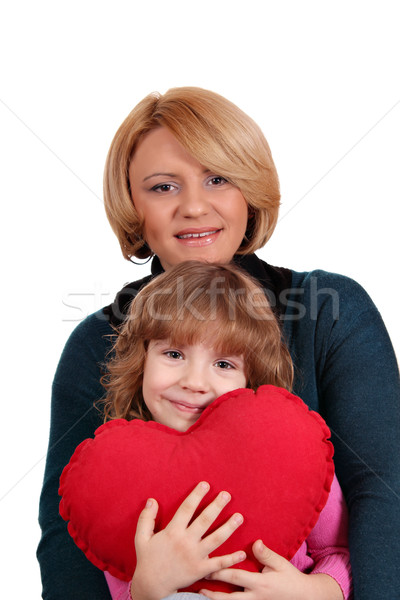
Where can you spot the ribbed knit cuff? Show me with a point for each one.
(337, 566)
(129, 590)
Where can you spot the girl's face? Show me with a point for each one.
(189, 212)
(180, 382)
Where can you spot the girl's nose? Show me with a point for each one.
(195, 379)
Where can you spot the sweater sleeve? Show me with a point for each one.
(345, 355)
(327, 544)
(119, 589)
(65, 571)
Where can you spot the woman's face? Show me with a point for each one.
(189, 212)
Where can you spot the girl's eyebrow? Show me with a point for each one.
(232, 357)
(159, 342)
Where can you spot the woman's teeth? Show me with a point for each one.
(196, 235)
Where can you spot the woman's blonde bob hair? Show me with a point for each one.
(196, 302)
(216, 133)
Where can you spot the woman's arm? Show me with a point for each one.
(348, 372)
(66, 572)
(361, 402)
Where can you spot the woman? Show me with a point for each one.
(189, 176)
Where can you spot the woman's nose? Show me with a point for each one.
(194, 202)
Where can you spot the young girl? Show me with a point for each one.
(205, 330)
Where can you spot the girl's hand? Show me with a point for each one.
(178, 555)
(279, 580)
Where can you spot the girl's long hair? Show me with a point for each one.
(196, 302)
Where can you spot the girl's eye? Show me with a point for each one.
(217, 180)
(224, 364)
(162, 188)
(173, 354)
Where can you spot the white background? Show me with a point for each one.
(321, 79)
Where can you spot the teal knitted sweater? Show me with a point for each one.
(345, 369)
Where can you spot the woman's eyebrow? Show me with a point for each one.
(205, 172)
(158, 175)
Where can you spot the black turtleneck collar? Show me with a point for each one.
(156, 266)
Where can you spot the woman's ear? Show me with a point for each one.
(251, 213)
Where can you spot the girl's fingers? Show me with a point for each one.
(267, 557)
(224, 562)
(220, 535)
(207, 517)
(185, 512)
(238, 577)
(146, 522)
(221, 595)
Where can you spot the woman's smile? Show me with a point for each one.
(198, 237)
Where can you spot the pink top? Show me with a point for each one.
(324, 551)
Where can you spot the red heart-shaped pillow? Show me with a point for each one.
(266, 448)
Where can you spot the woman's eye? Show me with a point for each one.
(173, 354)
(224, 364)
(162, 188)
(217, 180)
